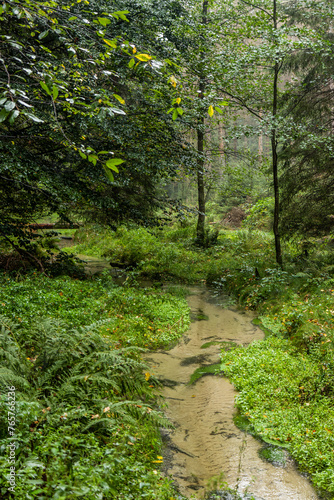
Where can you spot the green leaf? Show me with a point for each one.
(104, 21)
(13, 115)
(82, 155)
(43, 34)
(33, 463)
(131, 63)
(113, 162)
(24, 103)
(15, 45)
(9, 106)
(175, 114)
(218, 109)
(73, 18)
(121, 14)
(45, 87)
(93, 159)
(3, 115)
(33, 117)
(180, 111)
(111, 43)
(55, 92)
(108, 173)
(117, 111)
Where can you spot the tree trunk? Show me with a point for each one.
(221, 135)
(261, 143)
(276, 195)
(200, 229)
(275, 156)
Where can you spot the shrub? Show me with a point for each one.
(260, 215)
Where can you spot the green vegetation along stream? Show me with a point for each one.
(206, 442)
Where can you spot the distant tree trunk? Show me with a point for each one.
(261, 144)
(200, 230)
(200, 186)
(221, 141)
(275, 156)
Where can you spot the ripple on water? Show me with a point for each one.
(205, 441)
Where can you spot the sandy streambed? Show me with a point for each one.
(205, 441)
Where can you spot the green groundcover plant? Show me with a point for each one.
(171, 253)
(288, 378)
(85, 416)
(281, 395)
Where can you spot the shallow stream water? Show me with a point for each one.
(205, 442)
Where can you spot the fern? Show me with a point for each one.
(9, 378)
(75, 368)
(13, 366)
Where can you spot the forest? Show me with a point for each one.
(152, 152)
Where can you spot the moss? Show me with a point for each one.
(266, 331)
(273, 454)
(204, 370)
(225, 345)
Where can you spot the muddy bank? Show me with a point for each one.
(205, 442)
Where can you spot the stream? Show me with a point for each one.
(205, 442)
(205, 448)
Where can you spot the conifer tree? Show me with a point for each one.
(308, 175)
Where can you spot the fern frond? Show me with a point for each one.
(7, 325)
(12, 360)
(9, 378)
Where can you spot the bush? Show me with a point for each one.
(260, 215)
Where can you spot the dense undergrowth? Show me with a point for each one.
(86, 414)
(66, 387)
(171, 252)
(286, 381)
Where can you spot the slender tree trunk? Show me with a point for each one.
(275, 156)
(221, 142)
(200, 187)
(261, 144)
(200, 230)
(261, 148)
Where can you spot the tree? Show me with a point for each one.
(267, 39)
(202, 88)
(51, 56)
(307, 178)
(77, 101)
(197, 38)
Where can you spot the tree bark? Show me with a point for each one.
(200, 187)
(274, 154)
(200, 229)
(261, 143)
